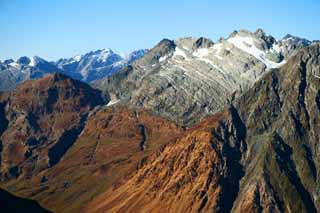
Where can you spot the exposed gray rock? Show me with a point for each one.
(190, 78)
(203, 43)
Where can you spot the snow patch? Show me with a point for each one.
(112, 102)
(276, 48)
(15, 65)
(202, 55)
(202, 52)
(179, 52)
(104, 55)
(163, 58)
(77, 58)
(247, 45)
(35, 60)
(212, 64)
(316, 76)
(217, 47)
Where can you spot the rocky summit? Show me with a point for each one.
(190, 78)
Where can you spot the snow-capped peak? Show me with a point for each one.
(105, 54)
(36, 60)
(77, 58)
(247, 44)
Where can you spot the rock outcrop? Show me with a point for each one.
(189, 79)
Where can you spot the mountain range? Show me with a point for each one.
(190, 78)
(88, 67)
(190, 125)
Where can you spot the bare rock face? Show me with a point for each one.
(260, 154)
(189, 79)
(203, 43)
(40, 120)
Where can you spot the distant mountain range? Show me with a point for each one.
(97, 64)
(88, 67)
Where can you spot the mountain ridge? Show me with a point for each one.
(184, 81)
(87, 67)
(194, 125)
(259, 154)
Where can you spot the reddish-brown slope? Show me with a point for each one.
(195, 173)
(40, 121)
(108, 148)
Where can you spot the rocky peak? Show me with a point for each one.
(164, 46)
(294, 40)
(135, 55)
(162, 49)
(24, 60)
(8, 61)
(203, 43)
(269, 40)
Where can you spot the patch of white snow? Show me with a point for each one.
(179, 52)
(113, 101)
(247, 45)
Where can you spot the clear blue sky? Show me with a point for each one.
(63, 28)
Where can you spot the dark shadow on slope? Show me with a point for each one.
(13, 204)
(318, 100)
(67, 139)
(3, 120)
(143, 137)
(234, 146)
(3, 125)
(309, 157)
(287, 166)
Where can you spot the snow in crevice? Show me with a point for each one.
(316, 76)
(163, 58)
(179, 52)
(247, 45)
(202, 55)
(104, 55)
(15, 65)
(113, 101)
(77, 58)
(35, 60)
(180, 87)
(218, 47)
(276, 48)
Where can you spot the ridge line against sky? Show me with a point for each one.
(61, 28)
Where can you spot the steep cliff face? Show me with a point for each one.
(40, 121)
(261, 154)
(281, 114)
